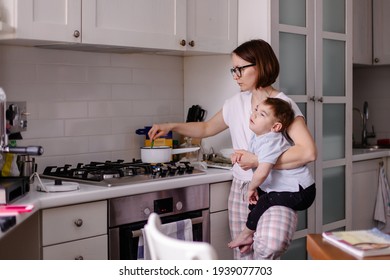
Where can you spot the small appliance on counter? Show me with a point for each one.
(13, 188)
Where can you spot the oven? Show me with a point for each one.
(128, 215)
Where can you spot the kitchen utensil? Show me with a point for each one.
(195, 114)
(162, 154)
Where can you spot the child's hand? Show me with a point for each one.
(235, 157)
(253, 197)
(245, 159)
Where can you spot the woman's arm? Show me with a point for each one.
(304, 149)
(192, 129)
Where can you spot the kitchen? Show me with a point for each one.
(86, 105)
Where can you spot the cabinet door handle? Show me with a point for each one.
(79, 258)
(191, 43)
(376, 60)
(78, 222)
(314, 99)
(76, 33)
(183, 43)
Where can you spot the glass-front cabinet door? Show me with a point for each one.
(313, 41)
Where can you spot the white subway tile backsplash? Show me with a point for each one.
(87, 127)
(109, 109)
(101, 143)
(86, 106)
(44, 129)
(109, 75)
(48, 73)
(63, 110)
(157, 77)
(18, 73)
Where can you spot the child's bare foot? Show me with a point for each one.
(244, 238)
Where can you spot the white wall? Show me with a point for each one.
(208, 83)
(372, 84)
(86, 106)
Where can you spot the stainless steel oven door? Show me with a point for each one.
(123, 240)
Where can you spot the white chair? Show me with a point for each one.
(163, 247)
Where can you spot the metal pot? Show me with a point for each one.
(162, 154)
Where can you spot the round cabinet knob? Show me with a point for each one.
(179, 205)
(78, 222)
(79, 258)
(147, 211)
(191, 43)
(183, 43)
(76, 33)
(376, 60)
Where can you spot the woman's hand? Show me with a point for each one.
(244, 159)
(158, 130)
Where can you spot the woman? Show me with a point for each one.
(255, 69)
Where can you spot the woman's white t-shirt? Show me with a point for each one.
(236, 113)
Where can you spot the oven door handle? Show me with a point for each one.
(194, 221)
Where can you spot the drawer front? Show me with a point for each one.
(219, 195)
(74, 222)
(94, 248)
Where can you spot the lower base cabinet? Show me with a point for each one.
(219, 219)
(75, 232)
(365, 177)
(94, 248)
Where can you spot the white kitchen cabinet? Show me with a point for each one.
(362, 31)
(40, 22)
(196, 25)
(75, 232)
(371, 42)
(219, 219)
(314, 46)
(365, 177)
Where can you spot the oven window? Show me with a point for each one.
(128, 246)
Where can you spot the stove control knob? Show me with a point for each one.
(147, 211)
(179, 205)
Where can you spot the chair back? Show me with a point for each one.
(163, 247)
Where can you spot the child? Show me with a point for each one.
(294, 188)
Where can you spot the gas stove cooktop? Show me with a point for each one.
(117, 173)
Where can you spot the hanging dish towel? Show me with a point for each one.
(382, 207)
(179, 230)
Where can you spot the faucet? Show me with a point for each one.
(364, 118)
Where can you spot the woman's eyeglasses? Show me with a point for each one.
(238, 70)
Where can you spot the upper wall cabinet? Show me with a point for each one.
(198, 25)
(371, 39)
(43, 20)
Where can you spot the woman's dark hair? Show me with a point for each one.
(260, 53)
(282, 111)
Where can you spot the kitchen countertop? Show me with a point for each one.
(89, 193)
(367, 154)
